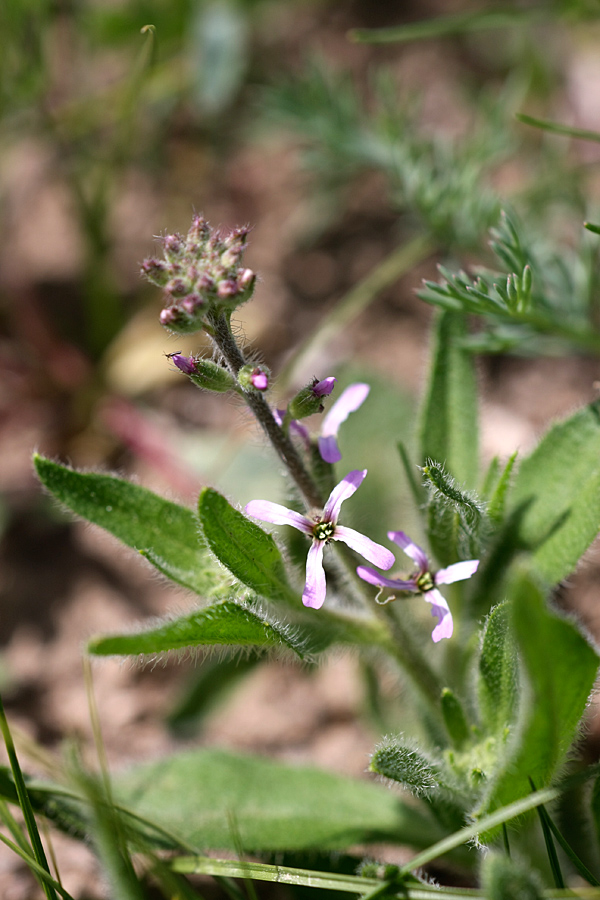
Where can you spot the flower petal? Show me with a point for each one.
(328, 449)
(279, 515)
(341, 492)
(379, 580)
(315, 587)
(440, 609)
(325, 387)
(348, 401)
(411, 549)
(279, 416)
(457, 572)
(375, 553)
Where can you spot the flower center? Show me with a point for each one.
(425, 582)
(324, 531)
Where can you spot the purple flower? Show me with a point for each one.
(424, 581)
(186, 364)
(322, 530)
(259, 379)
(325, 387)
(348, 401)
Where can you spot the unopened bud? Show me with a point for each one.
(308, 400)
(173, 246)
(253, 377)
(177, 287)
(155, 271)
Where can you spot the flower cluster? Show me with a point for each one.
(201, 271)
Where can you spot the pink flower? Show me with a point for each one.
(348, 401)
(424, 581)
(322, 530)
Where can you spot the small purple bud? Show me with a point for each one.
(177, 287)
(186, 364)
(325, 387)
(192, 303)
(155, 271)
(246, 278)
(205, 282)
(259, 379)
(199, 230)
(173, 244)
(168, 316)
(227, 289)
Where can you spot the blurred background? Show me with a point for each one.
(360, 167)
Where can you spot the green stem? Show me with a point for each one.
(235, 360)
(411, 659)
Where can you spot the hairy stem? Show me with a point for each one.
(234, 359)
(412, 660)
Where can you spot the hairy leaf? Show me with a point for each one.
(449, 422)
(159, 529)
(244, 548)
(561, 482)
(497, 682)
(226, 624)
(218, 800)
(558, 672)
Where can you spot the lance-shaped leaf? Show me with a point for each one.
(244, 548)
(449, 429)
(560, 481)
(498, 676)
(159, 529)
(223, 624)
(558, 672)
(216, 800)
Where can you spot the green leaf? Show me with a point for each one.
(497, 504)
(226, 623)
(449, 431)
(217, 800)
(561, 482)
(497, 681)
(558, 672)
(164, 532)
(244, 548)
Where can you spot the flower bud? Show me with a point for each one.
(155, 271)
(204, 373)
(308, 400)
(253, 378)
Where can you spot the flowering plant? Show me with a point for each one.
(501, 720)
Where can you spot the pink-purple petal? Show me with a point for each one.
(457, 572)
(278, 515)
(348, 401)
(328, 449)
(341, 492)
(373, 577)
(441, 611)
(375, 553)
(325, 387)
(410, 548)
(301, 430)
(315, 587)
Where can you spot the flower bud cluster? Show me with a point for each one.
(200, 272)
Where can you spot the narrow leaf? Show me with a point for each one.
(244, 548)
(558, 128)
(449, 421)
(225, 624)
(497, 504)
(554, 695)
(561, 482)
(157, 528)
(497, 676)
